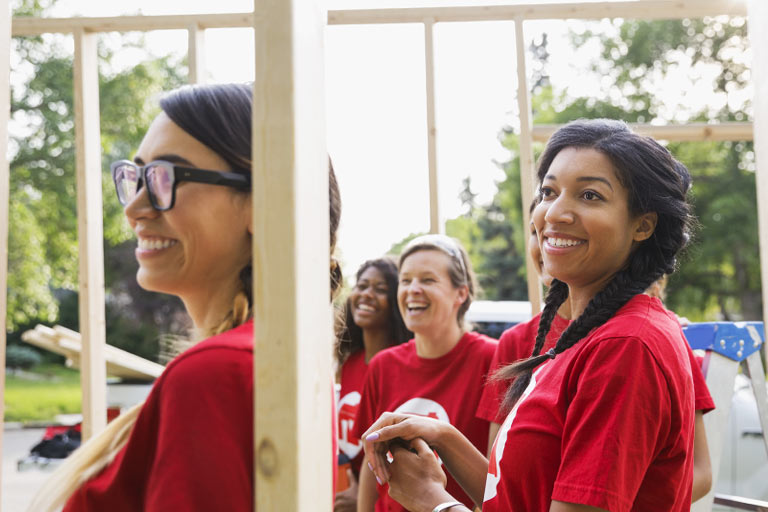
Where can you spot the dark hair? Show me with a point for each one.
(655, 182)
(350, 339)
(219, 116)
(460, 271)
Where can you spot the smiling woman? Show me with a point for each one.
(187, 198)
(439, 373)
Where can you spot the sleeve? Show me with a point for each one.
(368, 412)
(204, 456)
(616, 392)
(702, 399)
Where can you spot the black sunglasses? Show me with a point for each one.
(161, 178)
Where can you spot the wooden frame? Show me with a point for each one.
(5, 114)
(288, 136)
(292, 316)
(90, 233)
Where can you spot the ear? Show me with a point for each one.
(249, 212)
(463, 294)
(645, 225)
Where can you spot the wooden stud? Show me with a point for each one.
(642, 9)
(525, 151)
(5, 114)
(435, 224)
(292, 318)
(677, 133)
(90, 233)
(196, 54)
(758, 35)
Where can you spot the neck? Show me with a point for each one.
(565, 309)
(375, 340)
(208, 308)
(437, 343)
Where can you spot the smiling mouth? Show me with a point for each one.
(415, 307)
(564, 242)
(366, 308)
(155, 244)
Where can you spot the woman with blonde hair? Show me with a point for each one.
(187, 197)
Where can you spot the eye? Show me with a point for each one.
(382, 291)
(546, 192)
(428, 280)
(405, 280)
(591, 195)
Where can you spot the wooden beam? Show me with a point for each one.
(642, 9)
(5, 114)
(292, 316)
(757, 26)
(36, 26)
(527, 169)
(435, 224)
(196, 54)
(90, 233)
(684, 132)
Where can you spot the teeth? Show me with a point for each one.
(415, 305)
(155, 244)
(365, 307)
(563, 242)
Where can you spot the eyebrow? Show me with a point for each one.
(174, 159)
(584, 178)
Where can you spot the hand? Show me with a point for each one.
(683, 321)
(346, 500)
(377, 440)
(418, 481)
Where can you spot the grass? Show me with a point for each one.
(57, 392)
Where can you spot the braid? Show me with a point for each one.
(522, 370)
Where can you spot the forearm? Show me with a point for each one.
(493, 430)
(367, 494)
(702, 467)
(465, 463)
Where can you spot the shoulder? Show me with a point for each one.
(477, 342)
(214, 361)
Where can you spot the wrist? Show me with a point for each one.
(449, 506)
(443, 438)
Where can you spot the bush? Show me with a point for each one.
(21, 357)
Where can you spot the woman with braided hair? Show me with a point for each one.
(603, 420)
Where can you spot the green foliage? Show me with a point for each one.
(55, 390)
(21, 357)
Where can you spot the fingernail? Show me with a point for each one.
(379, 480)
(372, 437)
(370, 466)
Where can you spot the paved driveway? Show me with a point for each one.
(19, 488)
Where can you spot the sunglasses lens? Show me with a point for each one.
(126, 182)
(160, 183)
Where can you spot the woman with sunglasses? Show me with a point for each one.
(603, 420)
(187, 198)
(439, 373)
(372, 323)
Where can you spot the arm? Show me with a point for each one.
(366, 489)
(702, 468)
(493, 431)
(346, 500)
(467, 465)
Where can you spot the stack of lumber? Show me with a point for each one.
(67, 343)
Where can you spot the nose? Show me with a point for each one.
(559, 211)
(140, 207)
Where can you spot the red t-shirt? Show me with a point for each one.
(608, 423)
(517, 343)
(192, 445)
(447, 388)
(352, 380)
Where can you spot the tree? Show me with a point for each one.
(43, 251)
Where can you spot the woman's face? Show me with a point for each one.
(203, 242)
(368, 300)
(585, 229)
(426, 296)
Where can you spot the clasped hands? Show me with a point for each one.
(415, 477)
